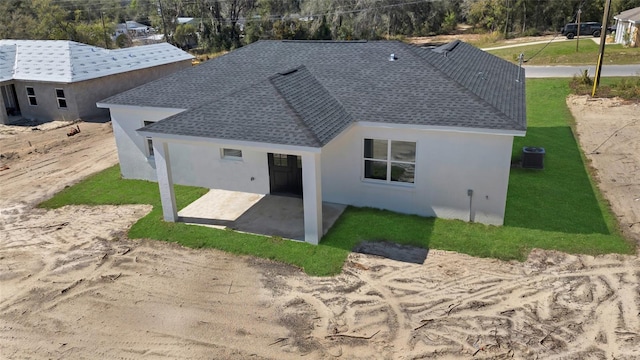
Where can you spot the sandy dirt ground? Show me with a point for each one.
(73, 286)
(609, 134)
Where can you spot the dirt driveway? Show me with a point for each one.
(73, 286)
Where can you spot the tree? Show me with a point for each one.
(185, 36)
(450, 22)
(123, 41)
(18, 20)
(236, 9)
(323, 32)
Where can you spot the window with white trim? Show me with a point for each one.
(31, 95)
(390, 160)
(148, 140)
(231, 154)
(61, 99)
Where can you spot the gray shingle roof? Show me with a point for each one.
(485, 77)
(256, 113)
(248, 94)
(289, 108)
(321, 113)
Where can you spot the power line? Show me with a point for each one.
(72, 5)
(545, 45)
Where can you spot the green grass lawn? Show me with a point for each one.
(564, 53)
(556, 208)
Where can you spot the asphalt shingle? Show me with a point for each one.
(334, 84)
(315, 108)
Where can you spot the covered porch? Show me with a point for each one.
(293, 217)
(270, 215)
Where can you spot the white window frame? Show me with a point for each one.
(63, 98)
(389, 161)
(148, 142)
(228, 154)
(31, 96)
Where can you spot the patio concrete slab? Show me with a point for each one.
(254, 213)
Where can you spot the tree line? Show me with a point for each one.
(228, 24)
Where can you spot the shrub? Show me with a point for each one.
(492, 37)
(625, 88)
(531, 32)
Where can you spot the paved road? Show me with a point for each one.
(533, 71)
(569, 71)
(560, 71)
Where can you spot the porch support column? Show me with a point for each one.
(165, 182)
(312, 197)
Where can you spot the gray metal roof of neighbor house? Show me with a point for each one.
(632, 15)
(306, 92)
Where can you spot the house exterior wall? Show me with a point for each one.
(47, 104)
(448, 164)
(82, 96)
(88, 92)
(622, 27)
(191, 164)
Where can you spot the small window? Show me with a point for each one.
(280, 160)
(62, 101)
(149, 141)
(390, 161)
(232, 154)
(31, 95)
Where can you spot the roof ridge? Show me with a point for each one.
(325, 41)
(295, 113)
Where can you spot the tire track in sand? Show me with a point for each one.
(554, 306)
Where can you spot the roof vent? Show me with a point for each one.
(393, 57)
(287, 72)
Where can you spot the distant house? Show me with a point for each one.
(627, 27)
(62, 80)
(188, 21)
(379, 124)
(133, 29)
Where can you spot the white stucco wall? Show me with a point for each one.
(623, 27)
(191, 164)
(447, 165)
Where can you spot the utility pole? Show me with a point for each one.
(578, 31)
(603, 40)
(104, 31)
